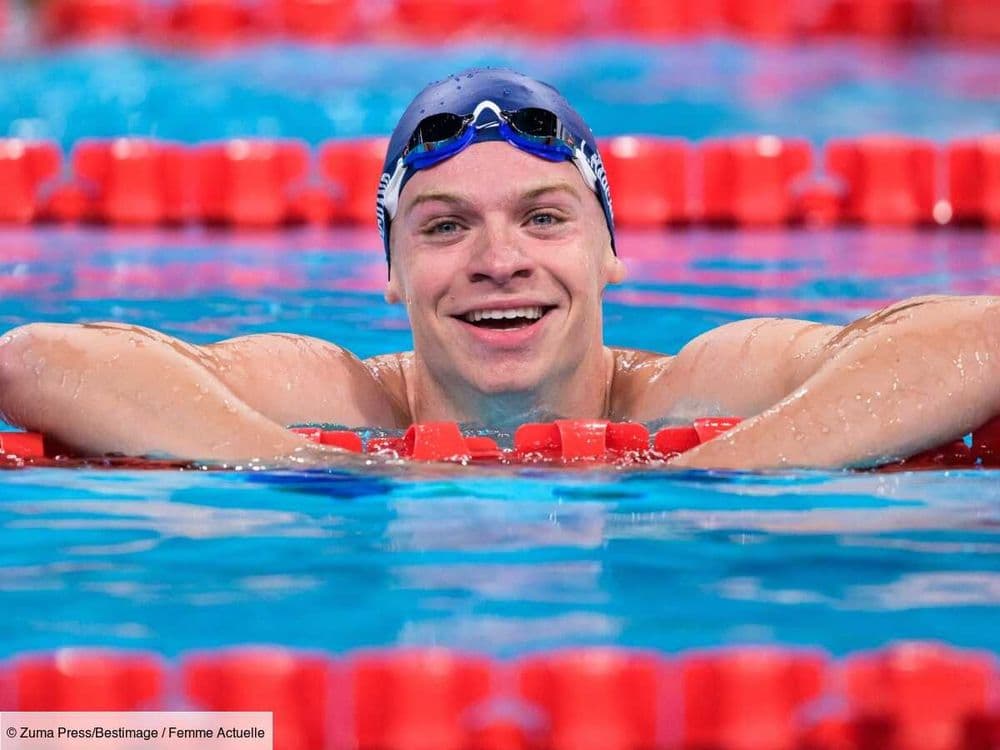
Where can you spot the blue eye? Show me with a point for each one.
(544, 219)
(444, 227)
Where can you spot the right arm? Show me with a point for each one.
(110, 388)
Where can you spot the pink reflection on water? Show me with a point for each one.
(179, 279)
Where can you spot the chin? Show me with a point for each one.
(499, 382)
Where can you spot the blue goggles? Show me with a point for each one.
(440, 136)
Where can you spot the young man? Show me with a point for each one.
(498, 228)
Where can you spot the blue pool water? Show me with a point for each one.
(521, 560)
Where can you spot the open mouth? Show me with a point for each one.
(517, 317)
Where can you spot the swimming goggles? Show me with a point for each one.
(438, 137)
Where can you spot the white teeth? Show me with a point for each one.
(531, 313)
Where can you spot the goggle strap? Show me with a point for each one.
(390, 198)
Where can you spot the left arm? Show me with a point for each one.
(907, 378)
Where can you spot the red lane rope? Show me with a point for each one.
(910, 696)
(749, 181)
(565, 441)
(226, 22)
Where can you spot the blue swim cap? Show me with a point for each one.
(494, 93)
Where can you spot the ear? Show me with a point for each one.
(393, 294)
(614, 269)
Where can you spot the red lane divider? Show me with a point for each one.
(84, 680)
(889, 179)
(135, 181)
(760, 19)
(648, 178)
(22, 444)
(596, 699)
(319, 20)
(416, 699)
(565, 441)
(986, 443)
(92, 19)
(663, 18)
(581, 440)
(430, 21)
(354, 167)
(974, 180)
(655, 181)
(749, 698)
(750, 180)
(247, 182)
(210, 22)
(910, 696)
(344, 439)
(298, 688)
(24, 166)
(917, 696)
(439, 19)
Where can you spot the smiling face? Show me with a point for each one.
(501, 259)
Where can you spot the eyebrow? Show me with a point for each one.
(459, 202)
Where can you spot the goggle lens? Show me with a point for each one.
(436, 130)
(538, 123)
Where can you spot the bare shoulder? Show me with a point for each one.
(636, 371)
(737, 369)
(301, 379)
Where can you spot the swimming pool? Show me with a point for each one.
(530, 560)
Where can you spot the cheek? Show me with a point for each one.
(426, 286)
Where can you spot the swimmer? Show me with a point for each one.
(499, 237)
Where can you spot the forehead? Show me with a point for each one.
(493, 172)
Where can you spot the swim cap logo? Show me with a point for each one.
(383, 184)
(597, 165)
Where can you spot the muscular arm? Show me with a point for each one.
(110, 388)
(911, 376)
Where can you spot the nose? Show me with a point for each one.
(498, 256)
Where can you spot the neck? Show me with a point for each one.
(582, 393)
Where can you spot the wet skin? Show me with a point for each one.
(494, 229)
